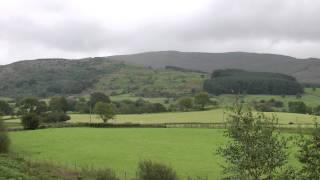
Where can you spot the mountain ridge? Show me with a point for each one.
(305, 70)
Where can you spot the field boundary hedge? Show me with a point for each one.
(290, 128)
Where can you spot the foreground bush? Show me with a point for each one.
(255, 150)
(309, 155)
(106, 174)
(149, 170)
(30, 121)
(4, 139)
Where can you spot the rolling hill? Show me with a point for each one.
(151, 74)
(49, 77)
(305, 70)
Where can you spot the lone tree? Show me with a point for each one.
(202, 99)
(98, 97)
(255, 150)
(185, 103)
(4, 139)
(105, 111)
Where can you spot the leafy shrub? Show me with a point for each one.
(30, 121)
(5, 108)
(149, 170)
(185, 103)
(137, 107)
(267, 106)
(4, 139)
(54, 117)
(309, 155)
(298, 107)
(106, 174)
(255, 150)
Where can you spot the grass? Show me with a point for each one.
(15, 167)
(211, 116)
(192, 152)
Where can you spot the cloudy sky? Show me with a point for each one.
(80, 28)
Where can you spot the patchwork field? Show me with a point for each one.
(211, 116)
(192, 152)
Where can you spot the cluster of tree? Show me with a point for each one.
(302, 108)
(33, 111)
(256, 149)
(52, 77)
(233, 81)
(267, 106)
(138, 107)
(198, 102)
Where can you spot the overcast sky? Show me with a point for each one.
(80, 28)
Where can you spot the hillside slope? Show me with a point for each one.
(305, 70)
(48, 77)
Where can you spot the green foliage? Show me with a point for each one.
(30, 121)
(31, 105)
(17, 168)
(298, 107)
(4, 138)
(185, 103)
(255, 151)
(104, 110)
(5, 108)
(58, 104)
(232, 81)
(309, 155)
(106, 174)
(202, 99)
(54, 117)
(149, 170)
(98, 97)
(52, 77)
(267, 106)
(138, 107)
(316, 110)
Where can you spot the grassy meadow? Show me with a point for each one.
(192, 152)
(210, 116)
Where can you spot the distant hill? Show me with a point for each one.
(152, 74)
(49, 77)
(305, 70)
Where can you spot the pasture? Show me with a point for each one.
(192, 152)
(211, 116)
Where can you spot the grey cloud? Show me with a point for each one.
(287, 27)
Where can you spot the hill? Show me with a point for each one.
(48, 77)
(240, 81)
(305, 70)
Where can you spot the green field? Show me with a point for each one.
(211, 116)
(192, 152)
